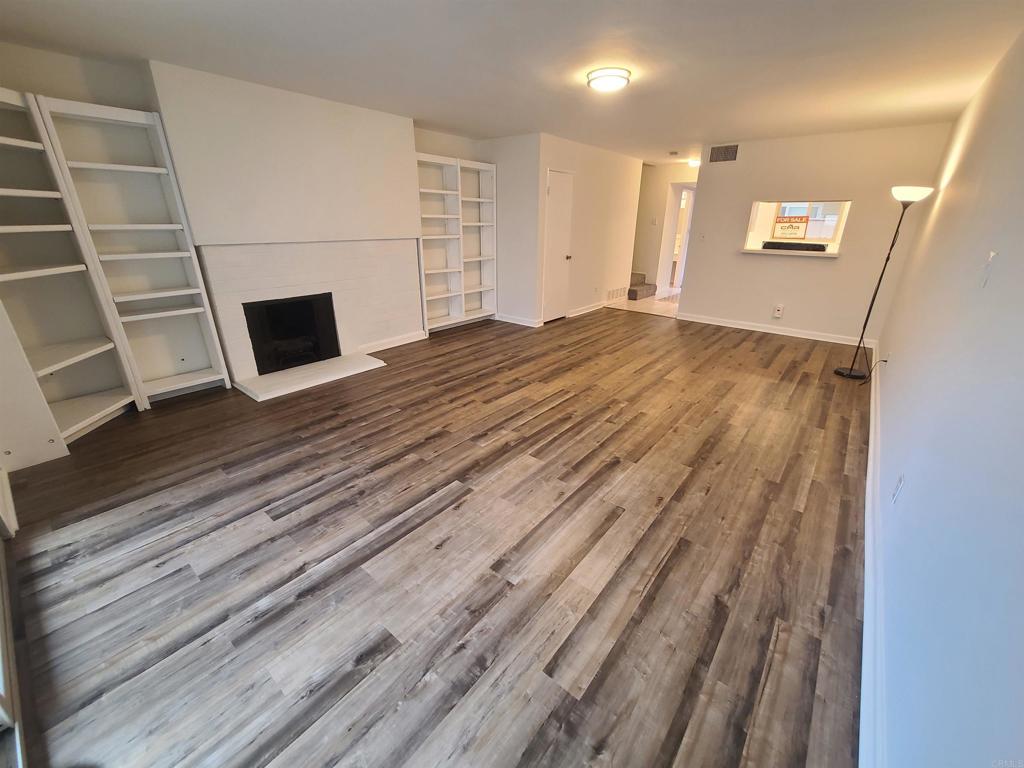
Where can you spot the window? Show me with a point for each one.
(814, 227)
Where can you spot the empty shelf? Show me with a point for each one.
(478, 288)
(143, 256)
(26, 228)
(441, 322)
(116, 167)
(479, 258)
(77, 413)
(157, 312)
(161, 294)
(25, 274)
(13, 192)
(478, 199)
(10, 141)
(440, 237)
(53, 357)
(438, 191)
(440, 271)
(181, 380)
(435, 323)
(134, 227)
(443, 295)
(478, 223)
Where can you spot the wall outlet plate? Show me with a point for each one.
(779, 309)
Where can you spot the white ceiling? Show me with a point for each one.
(705, 70)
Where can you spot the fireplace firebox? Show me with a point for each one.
(286, 333)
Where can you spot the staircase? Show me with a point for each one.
(639, 288)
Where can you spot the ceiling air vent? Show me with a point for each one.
(724, 153)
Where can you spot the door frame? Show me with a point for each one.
(668, 234)
(544, 234)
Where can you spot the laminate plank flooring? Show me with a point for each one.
(618, 539)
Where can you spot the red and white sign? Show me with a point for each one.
(790, 227)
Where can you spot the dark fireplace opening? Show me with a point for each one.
(286, 333)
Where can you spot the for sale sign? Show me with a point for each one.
(790, 227)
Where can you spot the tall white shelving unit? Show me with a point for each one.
(121, 183)
(102, 301)
(458, 256)
(65, 361)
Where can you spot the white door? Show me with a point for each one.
(557, 245)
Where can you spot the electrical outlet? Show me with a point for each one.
(897, 489)
(777, 312)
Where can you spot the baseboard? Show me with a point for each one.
(781, 330)
(531, 322)
(586, 309)
(394, 341)
(872, 680)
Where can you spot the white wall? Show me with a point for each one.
(952, 417)
(518, 211)
(117, 84)
(605, 192)
(606, 188)
(451, 145)
(823, 297)
(263, 165)
(655, 185)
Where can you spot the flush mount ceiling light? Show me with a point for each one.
(608, 79)
(693, 162)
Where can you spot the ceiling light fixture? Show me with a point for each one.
(608, 79)
(693, 162)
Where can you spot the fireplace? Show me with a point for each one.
(286, 333)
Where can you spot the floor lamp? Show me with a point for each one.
(907, 196)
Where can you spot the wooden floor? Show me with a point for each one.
(619, 540)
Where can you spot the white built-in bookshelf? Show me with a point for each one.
(458, 255)
(120, 179)
(102, 304)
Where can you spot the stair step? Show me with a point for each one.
(641, 291)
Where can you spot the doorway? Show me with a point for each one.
(557, 245)
(658, 293)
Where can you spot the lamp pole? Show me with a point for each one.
(852, 372)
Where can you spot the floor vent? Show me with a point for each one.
(724, 153)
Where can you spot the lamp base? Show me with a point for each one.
(850, 373)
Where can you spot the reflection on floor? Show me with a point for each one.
(667, 306)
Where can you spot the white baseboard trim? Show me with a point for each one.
(394, 341)
(586, 309)
(531, 322)
(781, 330)
(872, 749)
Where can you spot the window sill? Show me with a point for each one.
(777, 252)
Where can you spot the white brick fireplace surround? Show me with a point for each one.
(374, 285)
